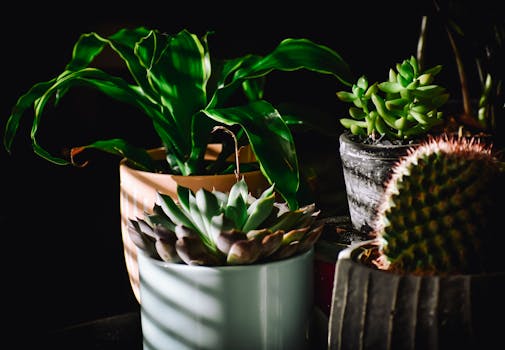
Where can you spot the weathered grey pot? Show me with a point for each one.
(366, 167)
(375, 309)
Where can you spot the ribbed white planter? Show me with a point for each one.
(263, 306)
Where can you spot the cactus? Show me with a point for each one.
(404, 106)
(440, 209)
(214, 228)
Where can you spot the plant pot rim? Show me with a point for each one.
(159, 152)
(349, 254)
(228, 268)
(391, 150)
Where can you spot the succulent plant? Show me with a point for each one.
(440, 210)
(215, 228)
(405, 105)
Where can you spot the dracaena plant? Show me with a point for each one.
(404, 107)
(186, 92)
(214, 228)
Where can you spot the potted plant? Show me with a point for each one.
(226, 270)
(475, 33)
(385, 119)
(433, 274)
(186, 93)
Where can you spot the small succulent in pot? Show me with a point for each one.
(214, 228)
(440, 213)
(403, 107)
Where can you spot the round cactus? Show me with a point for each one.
(440, 209)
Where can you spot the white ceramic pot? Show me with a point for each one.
(264, 306)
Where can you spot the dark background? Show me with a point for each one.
(62, 248)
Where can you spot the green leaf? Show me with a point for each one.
(258, 211)
(259, 119)
(208, 207)
(172, 210)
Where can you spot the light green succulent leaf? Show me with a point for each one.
(396, 104)
(237, 212)
(348, 123)
(258, 211)
(419, 117)
(173, 211)
(382, 110)
(362, 83)
(371, 90)
(183, 194)
(425, 79)
(420, 108)
(401, 123)
(238, 192)
(357, 113)
(390, 87)
(406, 70)
(380, 126)
(203, 206)
(346, 96)
(392, 76)
(357, 91)
(402, 81)
(413, 85)
(428, 91)
(216, 227)
(287, 220)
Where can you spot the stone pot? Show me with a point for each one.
(366, 167)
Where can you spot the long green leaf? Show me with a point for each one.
(257, 120)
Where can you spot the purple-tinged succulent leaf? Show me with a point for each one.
(166, 250)
(193, 252)
(225, 240)
(244, 252)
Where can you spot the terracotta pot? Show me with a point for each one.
(376, 309)
(138, 193)
(366, 167)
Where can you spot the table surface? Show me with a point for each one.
(116, 332)
(124, 332)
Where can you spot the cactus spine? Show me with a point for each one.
(440, 209)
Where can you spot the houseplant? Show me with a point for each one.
(185, 92)
(476, 36)
(433, 270)
(226, 270)
(385, 119)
